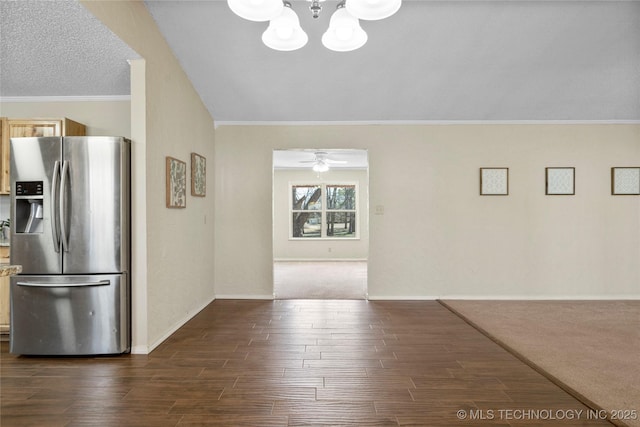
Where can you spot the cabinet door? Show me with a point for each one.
(37, 128)
(4, 305)
(4, 293)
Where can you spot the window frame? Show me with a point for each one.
(324, 210)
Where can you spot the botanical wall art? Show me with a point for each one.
(176, 183)
(625, 181)
(494, 181)
(560, 181)
(198, 175)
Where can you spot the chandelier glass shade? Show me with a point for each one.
(373, 10)
(344, 33)
(256, 10)
(285, 34)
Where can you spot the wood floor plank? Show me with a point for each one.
(354, 393)
(230, 406)
(325, 371)
(319, 411)
(35, 420)
(390, 382)
(128, 420)
(271, 392)
(234, 420)
(253, 382)
(118, 407)
(288, 363)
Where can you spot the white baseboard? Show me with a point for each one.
(320, 259)
(176, 326)
(140, 349)
(401, 298)
(504, 297)
(540, 297)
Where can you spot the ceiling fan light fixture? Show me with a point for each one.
(320, 166)
(284, 32)
(344, 33)
(373, 10)
(256, 10)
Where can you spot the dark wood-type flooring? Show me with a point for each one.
(295, 363)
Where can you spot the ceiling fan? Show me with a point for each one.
(321, 161)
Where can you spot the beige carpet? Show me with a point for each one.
(320, 279)
(590, 348)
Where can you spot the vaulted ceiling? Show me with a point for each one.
(431, 61)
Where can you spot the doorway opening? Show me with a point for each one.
(320, 223)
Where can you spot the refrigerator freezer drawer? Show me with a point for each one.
(69, 315)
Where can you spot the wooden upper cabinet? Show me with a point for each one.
(12, 128)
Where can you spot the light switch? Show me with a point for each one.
(378, 210)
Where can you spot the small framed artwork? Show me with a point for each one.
(176, 183)
(494, 181)
(198, 175)
(560, 181)
(625, 181)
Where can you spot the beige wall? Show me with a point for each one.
(179, 246)
(100, 117)
(438, 237)
(285, 248)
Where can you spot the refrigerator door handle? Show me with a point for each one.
(63, 201)
(54, 222)
(64, 285)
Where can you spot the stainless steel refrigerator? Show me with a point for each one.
(70, 217)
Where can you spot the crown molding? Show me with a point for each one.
(425, 122)
(99, 98)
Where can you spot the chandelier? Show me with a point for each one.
(284, 32)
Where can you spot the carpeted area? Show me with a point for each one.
(320, 279)
(590, 348)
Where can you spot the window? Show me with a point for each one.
(323, 211)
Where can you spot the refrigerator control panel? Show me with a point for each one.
(29, 188)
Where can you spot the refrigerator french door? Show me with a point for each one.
(70, 216)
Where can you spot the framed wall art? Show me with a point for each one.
(560, 181)
(494, 181)
(176, 183)
(198, 175)
(625, 181)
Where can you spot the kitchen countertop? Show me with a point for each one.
(10, 270)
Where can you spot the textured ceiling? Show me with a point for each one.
(433, 60)
(58, 48)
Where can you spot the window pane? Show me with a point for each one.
(341, 224)
(341, 197)
(307, 224)
(306, 197)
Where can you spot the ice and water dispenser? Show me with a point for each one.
(29, 199)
